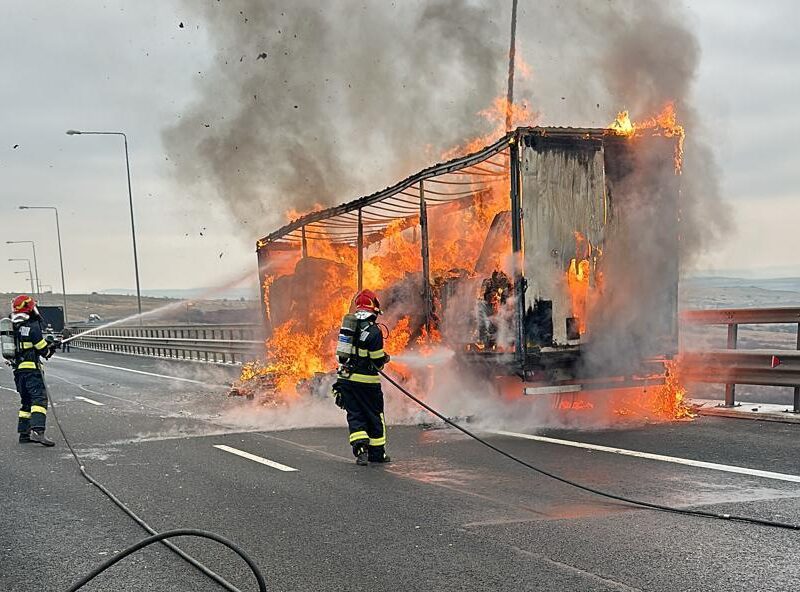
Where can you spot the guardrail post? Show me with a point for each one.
(796, 403)
(730, 388)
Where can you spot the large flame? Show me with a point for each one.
(457, 231)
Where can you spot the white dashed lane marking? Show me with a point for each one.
(88, 400)
(254, 458)
(132, 371)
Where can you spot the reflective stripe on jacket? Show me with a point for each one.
(370, 356)
(31, 343)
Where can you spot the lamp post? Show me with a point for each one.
(60, 255)
(73, 132)
(29, 276)
(512, 52)
(35, 264)
(29, 272)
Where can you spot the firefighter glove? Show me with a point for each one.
(337, 397)
(51, 349)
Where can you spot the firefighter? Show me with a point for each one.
(65, 335)
(31, 347)
(358, 387)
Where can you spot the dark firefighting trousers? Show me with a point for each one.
(364, 406)
(33, 397)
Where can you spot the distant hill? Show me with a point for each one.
(190, 293)
(791, 284)
(737, 292)
(171, 310)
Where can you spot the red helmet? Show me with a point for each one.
(23, 303)
(367, 301)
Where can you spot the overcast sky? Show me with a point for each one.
(129, 66)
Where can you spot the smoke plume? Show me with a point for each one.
(310, 103)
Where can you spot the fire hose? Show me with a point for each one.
(586, 488)
(163, 536)
(156, 536)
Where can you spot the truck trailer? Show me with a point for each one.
(549, 258)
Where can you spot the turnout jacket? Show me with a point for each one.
(369, 354)
(31, 344)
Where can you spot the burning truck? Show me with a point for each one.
(547, 261)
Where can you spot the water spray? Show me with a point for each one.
(238, 280)
(436, 357)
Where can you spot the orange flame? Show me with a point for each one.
(664, 124)
(578, 284)
(664, 402)
(622, 124)
(457, 232)
(579, 279)
(398, 339)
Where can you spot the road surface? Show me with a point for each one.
(447, 515)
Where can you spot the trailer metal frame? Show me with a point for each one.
(363, 221)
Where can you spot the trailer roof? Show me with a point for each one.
(459, 179)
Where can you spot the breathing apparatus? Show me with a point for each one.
(8, 339)
(354, 330)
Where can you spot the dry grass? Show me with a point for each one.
(111, 307)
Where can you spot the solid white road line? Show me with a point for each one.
(88, 400)
(10, 390)
(253, 457)
(660, 457)
(74, 361)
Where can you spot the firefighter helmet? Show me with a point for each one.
(23, 304)
(367, 301)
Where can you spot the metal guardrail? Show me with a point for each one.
(220, 344)
(234, 344)
(774, 367)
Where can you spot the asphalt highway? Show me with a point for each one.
(448, 514)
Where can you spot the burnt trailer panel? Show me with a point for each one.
(600, 251)
(589, 220)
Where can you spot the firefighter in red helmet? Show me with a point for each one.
(31, 347)
(357, 389)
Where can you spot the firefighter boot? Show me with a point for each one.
(362, 456)
(39, 437)
(377, 454)
(384, 459)
(24, 438)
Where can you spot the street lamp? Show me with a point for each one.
(35, 264)
(29, 276)
(73, 132)
(29, 272)
(60, 256)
